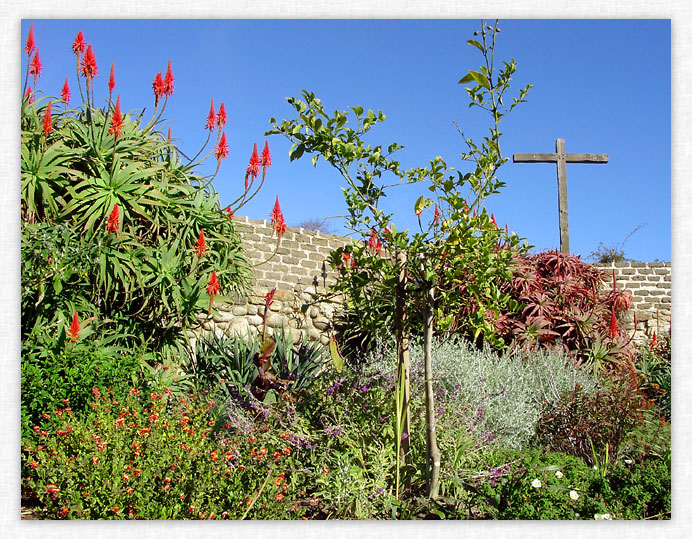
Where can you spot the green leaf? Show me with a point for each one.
(337, 358)
(475, 44)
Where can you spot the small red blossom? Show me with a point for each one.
(30, 43)
(65, 95)
(94, 460)
(33, 464)
(214, 286)
(200, 246)
(89, 68)
(221, 116)
(374, 243)
(266, 158)
(211, 117)
(654, 341)
(613, 330)
(116, 127)
(222, 148)
(277, 220)
(113, 221)
(269, 298)
(437, 214)
(229, 211)
(116, 508)
(52, 490)
(73, 330)
(492, 218)
(29, 94)
(36, 67)
(111, 79)
(158, 87)
(214, 455)
(47, 120)
(168, 81)
(79, 44)
(253, 168)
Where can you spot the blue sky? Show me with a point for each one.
(602, 85)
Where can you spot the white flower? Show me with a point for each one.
(536, 483)
(597, 517)
(576, 515)
(595, 468)
(628, 461)
(573, 494)
(606, 516)
(558, 474)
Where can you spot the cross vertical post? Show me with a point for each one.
(560, 158)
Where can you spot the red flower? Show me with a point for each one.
(269, 298)
(222, 148)
(221, 117)
(654, 341)
(168, 81)
(79, 44)
(253, 168)
(214, 286)
(29, 94)
(229, 211)
(613, 330)
(36, 66)
(73, 330)
(52, 490)
(116, 127)
(437, 214)
(374, 243)
(277, 220)
(47, 120)
(113, 219)
(158, 87)
(492, 218)
(30, 43)
(65, 96)
(266, 158)
(111, 79)
(211, 118)
(89, 68)
(200, 246)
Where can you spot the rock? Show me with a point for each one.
(238, 327)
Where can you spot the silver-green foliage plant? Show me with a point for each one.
(502, 395)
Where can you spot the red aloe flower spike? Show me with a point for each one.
(276, 211)
(111, 79)
(613, 330)
(47, 120)
(79, 44)
(36, 67)
(30, 43)
(253, 168)
(221, 116)
(492, 218)
(116, 121)
(266, 159)
(200, 246)
(169, 135)
(29, 94)
(158, 87)
(113, 221)
(437, 214)
(168, 81)
(222, 147)
(65, 96)
(211, 118)
(277, 221)
(269, 298)
(214, 286)
(73, 330)
(654, 341)
(229, 211)
(89, 68)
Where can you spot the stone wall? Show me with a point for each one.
(301, 277)
(650, 286)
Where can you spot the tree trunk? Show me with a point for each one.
(432, 452)
(403, 360)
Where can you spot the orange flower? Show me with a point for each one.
(222, 148)
(200, 246)
(168, 81)
(73, 330)
(277, 220)
(252, 170)
(111, 79)
(211, 117)
(221, 116)
(214, 286)
(266, 159)
(47, 120)
(79, 44)
(116, 127)
(89, 68)
(30, 43)
(65, 96)
(36, 66)
(158, 87)
(114, 218)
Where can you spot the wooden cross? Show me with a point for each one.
(561, 159)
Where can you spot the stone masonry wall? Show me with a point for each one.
(650, 286)
(301, 276)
